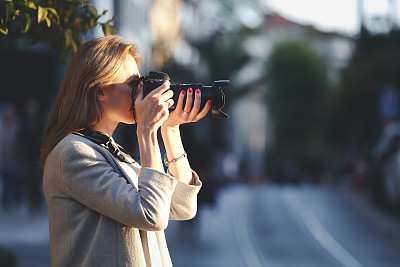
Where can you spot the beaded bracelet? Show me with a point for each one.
(166, 162)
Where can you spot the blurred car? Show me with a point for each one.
(385, 182)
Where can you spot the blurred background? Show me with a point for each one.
(305, 172)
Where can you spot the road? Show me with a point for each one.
(269, 225)
(287, 226)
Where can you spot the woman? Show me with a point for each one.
(105, 209)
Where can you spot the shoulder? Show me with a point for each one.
(74, 143)
(75, 150)
(73, 147)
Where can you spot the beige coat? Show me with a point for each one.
(99, 217)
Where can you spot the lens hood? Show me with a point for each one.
(214, 92)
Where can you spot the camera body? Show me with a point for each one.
(214, 92)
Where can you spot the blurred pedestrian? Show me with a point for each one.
(104, 208)
(29, 142)
(9, 161)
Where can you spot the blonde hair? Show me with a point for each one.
(95, 63)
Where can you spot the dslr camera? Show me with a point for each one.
(214, 92)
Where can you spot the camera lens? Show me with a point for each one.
(213, 92)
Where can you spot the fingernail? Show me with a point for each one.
(190, 90)
(209, 102)
(183, 92)
(197, 91)
(140, 85)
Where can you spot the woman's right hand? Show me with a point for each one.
(151, 111)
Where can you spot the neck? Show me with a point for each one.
(105, 127)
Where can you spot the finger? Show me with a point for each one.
(181, 97)
(166, 99)
(170, 102)
(196, 105)
(160, 90)
(204, 111)
(189, 100)
(166, 95)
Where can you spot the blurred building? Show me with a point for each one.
(153, 25)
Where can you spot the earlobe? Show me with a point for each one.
(100, 94)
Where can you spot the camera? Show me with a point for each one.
(214, 92)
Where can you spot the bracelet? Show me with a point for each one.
(166, 162)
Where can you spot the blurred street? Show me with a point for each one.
(252, 226)
(289, 226)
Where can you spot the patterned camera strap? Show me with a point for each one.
(106, 142)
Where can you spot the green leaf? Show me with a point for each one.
(42, 14)
(32, 5)
(3, 29)
(67, 37)
(48, 21)
(93, 11)
(52, 10)
(92, 22)
(27, 21)
(108, 29)
(9, 10)
(73, 18)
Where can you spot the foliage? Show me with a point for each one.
(354, 117)
(296, 94)
(224, 53)
(62, 24)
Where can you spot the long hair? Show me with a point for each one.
(95, 64)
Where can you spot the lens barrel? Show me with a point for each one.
(214, 92)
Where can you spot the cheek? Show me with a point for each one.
(127, 98)
(121, 99)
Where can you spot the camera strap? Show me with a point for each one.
(133, 94)
(106, 142)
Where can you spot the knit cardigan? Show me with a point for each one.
(98, 217)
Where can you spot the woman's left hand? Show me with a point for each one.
(186, 114)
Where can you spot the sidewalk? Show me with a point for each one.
(26, 236)
(387, 223)
(212, 238)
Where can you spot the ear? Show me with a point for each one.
(101, 94)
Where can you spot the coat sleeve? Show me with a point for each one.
(91, 180)
(184, 200)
